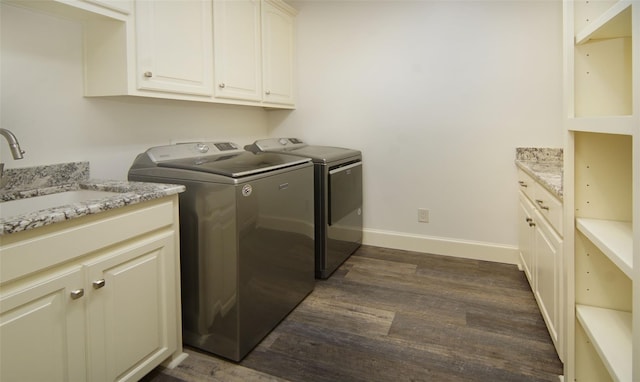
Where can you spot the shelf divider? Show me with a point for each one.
(610, 333)
(613, 238)
(614, 23)
(619, 124)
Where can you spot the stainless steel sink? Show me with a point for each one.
(37, 203)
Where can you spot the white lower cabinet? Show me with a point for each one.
(128, 308)
(42, 330)
(540, 247)
(109, 314)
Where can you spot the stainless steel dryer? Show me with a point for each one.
(338, 198)
(246, 239)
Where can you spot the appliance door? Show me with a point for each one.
(344, 231)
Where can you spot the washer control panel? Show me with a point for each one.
(191, 149)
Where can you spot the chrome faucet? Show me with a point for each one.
(16, 152)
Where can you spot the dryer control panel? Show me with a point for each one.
(276, 144)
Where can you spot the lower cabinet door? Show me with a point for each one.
(42, 330)
(526, 228)
(131, 300)
(548, 247)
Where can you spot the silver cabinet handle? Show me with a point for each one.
(148, 74)
(222, 85)
(541, 205)
(522, 183)
(267, 92)
(76, 294)
(98, 284)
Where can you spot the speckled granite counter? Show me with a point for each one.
(544, 165)
(45, 180)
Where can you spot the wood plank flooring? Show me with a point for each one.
(390, 315)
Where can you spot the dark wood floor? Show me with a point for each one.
(389, 315)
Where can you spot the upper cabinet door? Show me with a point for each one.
(278, 50)
(237, 50)
(174, 46)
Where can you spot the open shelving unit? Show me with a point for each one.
(601, 188)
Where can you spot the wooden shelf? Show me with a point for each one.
(622, 125)
(610, 333)
(613, 238)
(614, 23)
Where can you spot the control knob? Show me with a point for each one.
(202, 147)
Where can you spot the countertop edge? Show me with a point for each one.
(552, 185)
(128, 193)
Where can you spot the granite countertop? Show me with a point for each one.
(543, 165)
(46, 180)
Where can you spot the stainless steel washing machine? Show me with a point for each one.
(338, 198)
(246, 239)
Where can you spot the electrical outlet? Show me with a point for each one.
(423, 215)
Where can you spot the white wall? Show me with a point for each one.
(41, 101)
(437, 95)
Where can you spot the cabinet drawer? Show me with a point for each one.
(30, 251)
(526, 184)
(549, 206)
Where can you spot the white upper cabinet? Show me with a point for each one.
(174, 46)
(253, 51)
(237, 50)
(122, 6)
(278, 49)
(226, 51)
(164, 51)
(84, 10)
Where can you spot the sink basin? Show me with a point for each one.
(37, 203)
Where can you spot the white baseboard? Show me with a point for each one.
(499, 253)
